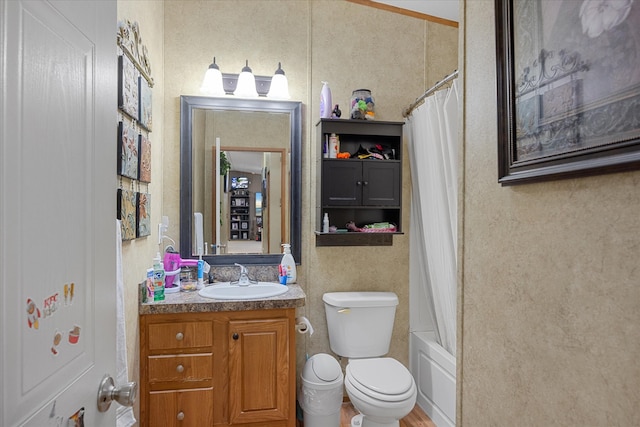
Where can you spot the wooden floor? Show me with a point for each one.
(417, 417)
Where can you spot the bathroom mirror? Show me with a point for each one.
(250, 200)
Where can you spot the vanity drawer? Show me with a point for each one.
(183, 368)
(180, 335)
(186, 408)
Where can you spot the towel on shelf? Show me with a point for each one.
(124, 414)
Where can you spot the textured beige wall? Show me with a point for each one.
(137, 255)
(350, 46)
(549, 309)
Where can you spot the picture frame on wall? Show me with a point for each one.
(127, 150)
(126, 213)
(143, 215)
(144, 158)
(145, 116)
(127, 87)
(568, 89)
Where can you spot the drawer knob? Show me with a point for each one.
(180, 369)
(235, 336)
(180, 416)
(179, 336)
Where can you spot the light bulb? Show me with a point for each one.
(212, 82)
(246, 84)
(279, 85)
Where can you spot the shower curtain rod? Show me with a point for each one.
(429, 91)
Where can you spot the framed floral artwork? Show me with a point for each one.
(127, 205)
(144, 100)
(144, 158)
(143, 214)
(127, 150)
(568, 88)
(127, 87)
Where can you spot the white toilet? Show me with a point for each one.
(360, 325)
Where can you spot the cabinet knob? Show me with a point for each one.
(365, 182)
(179, 336)
(180, 416)
(235, 336)
(358, 182)
(180, 369)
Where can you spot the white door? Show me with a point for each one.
(57, 210)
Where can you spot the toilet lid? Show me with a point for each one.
(382, 378)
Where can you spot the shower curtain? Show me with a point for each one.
(432, 130)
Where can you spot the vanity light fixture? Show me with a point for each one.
(279, 85)
(212, 82)
(245, 85)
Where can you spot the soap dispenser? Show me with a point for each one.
(325, 101)
(288, 264)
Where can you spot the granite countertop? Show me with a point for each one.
(192, 302)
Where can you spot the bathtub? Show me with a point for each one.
(434, 370)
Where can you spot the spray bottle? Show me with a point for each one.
(288, 264)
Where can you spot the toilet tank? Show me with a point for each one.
(360, 324)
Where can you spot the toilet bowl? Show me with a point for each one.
(381, 389)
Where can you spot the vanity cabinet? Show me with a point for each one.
(363, 190)
(231, 368)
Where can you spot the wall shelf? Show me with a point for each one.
(240, 217)
(363, 190)
(354, 239)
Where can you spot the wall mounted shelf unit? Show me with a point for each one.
(365, 191)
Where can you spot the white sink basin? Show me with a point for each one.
(228, 290)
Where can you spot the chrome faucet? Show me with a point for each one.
(244, 276)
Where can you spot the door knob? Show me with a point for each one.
(108, 392)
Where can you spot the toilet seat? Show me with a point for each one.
(383, 379)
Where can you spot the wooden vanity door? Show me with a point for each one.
(259, 366)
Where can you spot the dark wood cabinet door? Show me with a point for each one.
(341, 183)
(381, 183)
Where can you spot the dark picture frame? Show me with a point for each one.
(128, 101)
(145, 114)
(568, 90)
(126, 212)
(128, 146)
(144, 158)
(143, 214)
